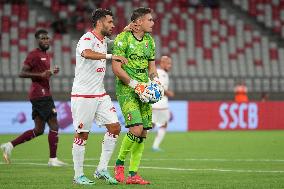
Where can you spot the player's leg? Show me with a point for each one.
(160, 118)
(53, 142)
(78, 153)
(26, 136)
(82, 113)
(138, 147)
(131, 112)
(161, 132)
(106, 115)
(108, 146)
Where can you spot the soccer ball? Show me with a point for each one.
(154, 93)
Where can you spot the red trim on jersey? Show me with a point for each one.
(87, 38)
(101, 39)
(89, 96)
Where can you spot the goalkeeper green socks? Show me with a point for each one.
(127, 143)
(136, 155)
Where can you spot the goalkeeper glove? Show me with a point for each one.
(161, 88)
(140, 89)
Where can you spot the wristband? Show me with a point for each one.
(132, 83)
(108, 56)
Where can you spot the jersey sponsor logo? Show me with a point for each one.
(87, 38)
(42, 58)
(137, 57)
(140, 70)
(98, 45)
(101, 69)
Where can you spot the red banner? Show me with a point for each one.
(235, 116)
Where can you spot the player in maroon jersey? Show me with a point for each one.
(37, 67)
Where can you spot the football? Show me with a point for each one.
(154, 93)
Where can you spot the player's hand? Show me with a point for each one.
(169, 93)
(46, 74)
(55, 69)
(131, 27)
(121, 59)
(141, 90)
(161, 88)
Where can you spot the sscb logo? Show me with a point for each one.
(101, 69)
(238, 116)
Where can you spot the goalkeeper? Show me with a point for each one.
(139, 49)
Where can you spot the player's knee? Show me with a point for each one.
(137, 130)
(54, 127)
(115, 129)
(38, 131)
(83, 135)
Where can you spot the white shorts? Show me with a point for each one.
(160, 116)
(86, 110)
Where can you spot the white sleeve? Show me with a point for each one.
(163, 78)
(85, 43)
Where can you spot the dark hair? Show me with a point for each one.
(38, 32)
(98, 14)
(137, 13)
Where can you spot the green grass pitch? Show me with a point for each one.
(233, 160)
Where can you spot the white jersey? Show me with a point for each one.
(89, 74)
(164, 79)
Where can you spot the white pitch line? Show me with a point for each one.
(171, 168)
(186, 159)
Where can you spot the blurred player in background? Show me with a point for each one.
(89, 100)
(241, 91)
(139, 48)
(37, 67)
(161, 112)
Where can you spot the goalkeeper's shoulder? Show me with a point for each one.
(123, 34)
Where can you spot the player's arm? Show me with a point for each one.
(152, 70)
(26, 73)
(153, 75)
(169, 93)
(90, 54)
(119, 72)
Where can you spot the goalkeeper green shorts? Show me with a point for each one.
(135, 112)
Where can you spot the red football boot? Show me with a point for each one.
(136, 179)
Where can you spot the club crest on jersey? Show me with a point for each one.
(146, 44)
(129, 117)
(112, 109)
(98, 45)
(80, 126)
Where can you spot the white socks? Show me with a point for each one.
(108, 146)
(78, 152)
(159, 138)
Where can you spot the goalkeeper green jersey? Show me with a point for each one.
(138, 54)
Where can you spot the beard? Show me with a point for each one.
(106, 33)
(44, 47)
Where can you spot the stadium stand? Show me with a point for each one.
(211, 47)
